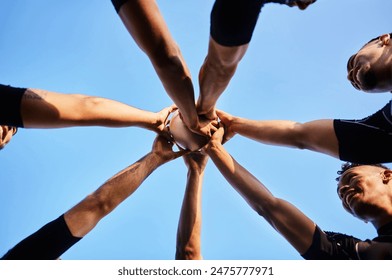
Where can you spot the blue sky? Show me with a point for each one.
(294, 69)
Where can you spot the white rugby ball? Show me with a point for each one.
(183, 136)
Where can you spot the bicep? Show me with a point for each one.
(319, 136)
(45, 109)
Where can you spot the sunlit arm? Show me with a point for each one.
(285, 218)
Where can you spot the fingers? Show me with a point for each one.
(218, 135)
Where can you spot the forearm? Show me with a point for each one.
(275, 132)
(180, 89)
(241, 180)
(83, 217)
(283, 216)
(45, 109)
(317, 135)
(189, 226)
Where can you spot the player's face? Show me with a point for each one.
(365, 191)
(6, 133)
(370, 69)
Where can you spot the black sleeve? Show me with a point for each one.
(367, 140)
(331, 246)
(48, 243)
(10, 102)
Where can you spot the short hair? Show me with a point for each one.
(348, 165)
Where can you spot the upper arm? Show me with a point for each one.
(319, 136)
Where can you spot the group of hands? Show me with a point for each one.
(217, 131)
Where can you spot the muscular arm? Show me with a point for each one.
(318, 135)
(83, 217)
(46, 109)
(148, 28)
(215, 74)
(285, 218)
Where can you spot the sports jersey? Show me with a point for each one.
(336, 246)
(367, 140)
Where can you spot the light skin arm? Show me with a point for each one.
(84, 216)
(284, 217)
(148, 28)
(318, 135)
(46, 109)
(189, 226)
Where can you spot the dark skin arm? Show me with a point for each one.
(84, 216)
(189, 226)
(284, 217)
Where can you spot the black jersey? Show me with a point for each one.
(336, 246)
(368, 140)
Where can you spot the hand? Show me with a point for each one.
(215, 141)
(162, 120)
(301, 4)
(227, 120)
(196, 161)
(204, 126)
(163, 148)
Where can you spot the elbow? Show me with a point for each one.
(97, 204)
(188, 253)
(299, 136)
(265, 207)
(168, 61)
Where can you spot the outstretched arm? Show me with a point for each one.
(318, 135)
(285, 218)
(148, 28)
(83, 217)
(46, 109)
(189, 226)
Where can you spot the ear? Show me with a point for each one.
(385, 39)
(386, 176)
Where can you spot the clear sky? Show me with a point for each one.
(295, 69)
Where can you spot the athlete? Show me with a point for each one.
(232, 26)
(36, 108)
(361, 141)
(365, 192)
(148, 28)
(56, 237)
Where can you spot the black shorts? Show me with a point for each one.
(233, 21)
(48, 243)
(368, 140)
(10, 102)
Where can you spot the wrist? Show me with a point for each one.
(213, 146)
